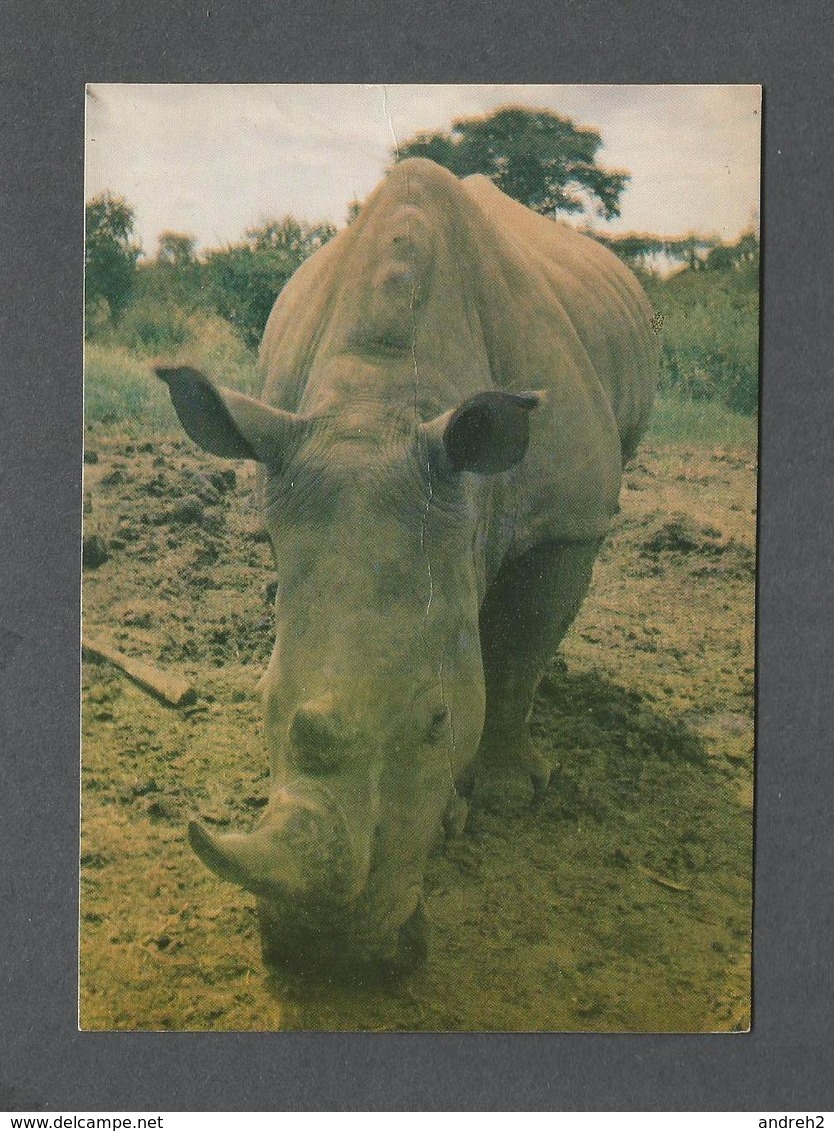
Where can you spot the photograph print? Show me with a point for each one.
(419, 557)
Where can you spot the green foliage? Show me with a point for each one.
(240, 282)
(120, 386)
(168, 306)
(710, 334)
(177, 273)
(245, 279)
(639, 249)
(167, 291)
(741, 257)
(109, 256)
(96, 317)
(150, 325)
(710, 314)
(537, 157)
(155, 320)
(175, 250)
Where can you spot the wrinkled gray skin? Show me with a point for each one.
(434, 528)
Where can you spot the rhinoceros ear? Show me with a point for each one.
(228, 423)
(487, 433)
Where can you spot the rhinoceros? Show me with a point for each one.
(452, 387)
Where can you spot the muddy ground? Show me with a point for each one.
(621, 901)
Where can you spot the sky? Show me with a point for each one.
(213, 160)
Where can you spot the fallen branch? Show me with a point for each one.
(170, 688)
(663, 881)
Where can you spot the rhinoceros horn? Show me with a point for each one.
(300, 848)
(246, 859)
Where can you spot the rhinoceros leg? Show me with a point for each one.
(524, 616)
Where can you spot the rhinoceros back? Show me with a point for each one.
(601, 298)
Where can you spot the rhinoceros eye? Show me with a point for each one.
(437, 726)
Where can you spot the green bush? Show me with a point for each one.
(709, 336)
(245, 279)
(151, 325)
(157, 317)
(245, 284)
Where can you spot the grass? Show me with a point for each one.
(678, 421)
(120, 386)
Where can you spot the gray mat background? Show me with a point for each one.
(47, 52)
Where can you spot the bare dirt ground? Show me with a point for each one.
(619, 902)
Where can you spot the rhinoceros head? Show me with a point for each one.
(374, 695)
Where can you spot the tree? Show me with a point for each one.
(690, 249)
(177, 269)
(109, 256)
(296, 238)
(175, 250)
(638, 249)
(741, 256)
(246, 278)
(537, 157)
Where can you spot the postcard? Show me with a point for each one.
(419, 557)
